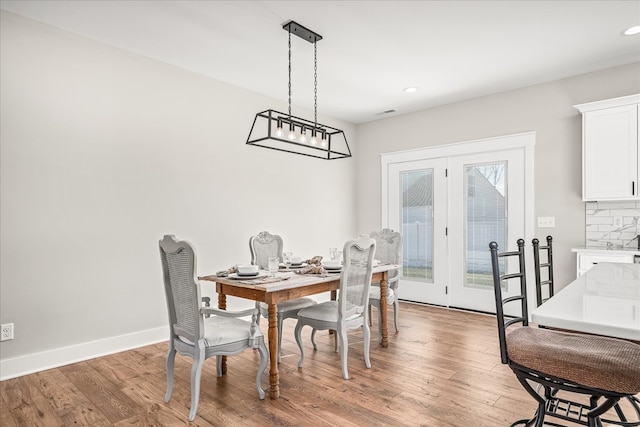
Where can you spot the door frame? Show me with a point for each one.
(524, 141)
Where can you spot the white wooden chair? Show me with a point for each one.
(388, 251)
(349, 311)
(191, 334)
(263, 246)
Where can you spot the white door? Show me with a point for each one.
(418, 209)
(450, 202)
(486, 203)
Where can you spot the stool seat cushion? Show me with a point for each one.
(592, 361)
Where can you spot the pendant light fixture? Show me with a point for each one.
(285, 132)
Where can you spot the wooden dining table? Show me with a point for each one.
(293, 285)
(604, 301)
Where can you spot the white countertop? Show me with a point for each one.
(604, 301)
(604, 250)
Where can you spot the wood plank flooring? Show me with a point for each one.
(442, 369)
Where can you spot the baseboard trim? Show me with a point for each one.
(36, 362)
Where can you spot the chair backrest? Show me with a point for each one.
(355, 279)
(539, 266)
(389, 251)
(181, 288)
(498, 279)
(263, 246)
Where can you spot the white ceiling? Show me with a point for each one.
(371, 50)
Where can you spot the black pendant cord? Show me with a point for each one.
(315, 86)
(289, 74)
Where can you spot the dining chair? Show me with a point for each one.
(263, 246)
(388, 251)
(349, 311)
(540, 266)
(192, 334)
(602, 368)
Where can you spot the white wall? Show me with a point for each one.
(546, 109)
(104, 151)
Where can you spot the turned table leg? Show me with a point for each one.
(274, 375)
(384, 339)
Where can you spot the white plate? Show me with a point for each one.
(332, 269)
(304, 264)
(236, 276)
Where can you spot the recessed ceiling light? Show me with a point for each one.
(410, 89)
(632, 30)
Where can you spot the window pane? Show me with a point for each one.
(417, 224)
(486, 219)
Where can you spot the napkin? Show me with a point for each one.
(312, 269)
(316, 260)
(225, 273)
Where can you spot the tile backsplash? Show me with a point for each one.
(612, 225)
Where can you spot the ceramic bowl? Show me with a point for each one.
(247, 269)
(296, 260)
(332, 264)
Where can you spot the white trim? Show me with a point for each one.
(35, 362)
(608, 103)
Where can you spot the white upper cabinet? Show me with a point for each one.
(610, 155)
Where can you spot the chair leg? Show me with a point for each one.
(280, 321)
(379, 326)
(541, 412)
(264, 358)
(196, 373)
(313, 338)
(369, 310)
(171, 357)
(219, 367)
(298, 334)
(367, 342)
(396, 309)
(344, 349)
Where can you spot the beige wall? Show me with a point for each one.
(546, 109)
(102, 152)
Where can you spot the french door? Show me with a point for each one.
(449, 202)
(419, 213)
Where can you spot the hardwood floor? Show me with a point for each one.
(441, 369)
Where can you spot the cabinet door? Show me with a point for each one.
(610, 150)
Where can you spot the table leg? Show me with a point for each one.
(384, 339)
(222, 305)
(274, 375)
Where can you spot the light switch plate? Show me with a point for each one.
(546, 221)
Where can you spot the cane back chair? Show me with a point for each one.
(222, 333)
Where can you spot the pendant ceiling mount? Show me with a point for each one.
(285, 132)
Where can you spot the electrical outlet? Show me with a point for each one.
(6, 332)
(546, 221)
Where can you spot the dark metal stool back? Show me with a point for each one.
(546, 361)
(540, 266)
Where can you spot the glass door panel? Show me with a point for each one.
(417, 224)
(485, 207)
